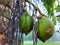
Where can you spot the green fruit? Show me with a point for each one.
(45, 29)
(26, 23)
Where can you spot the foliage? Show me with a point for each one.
(49, 6)
(57, 8)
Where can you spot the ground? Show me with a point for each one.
(45, 44)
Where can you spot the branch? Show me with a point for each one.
(36, 8)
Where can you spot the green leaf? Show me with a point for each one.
(49, 5)
(57, 8)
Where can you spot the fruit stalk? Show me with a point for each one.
(36, 8)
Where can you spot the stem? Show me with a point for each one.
(36, 8)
